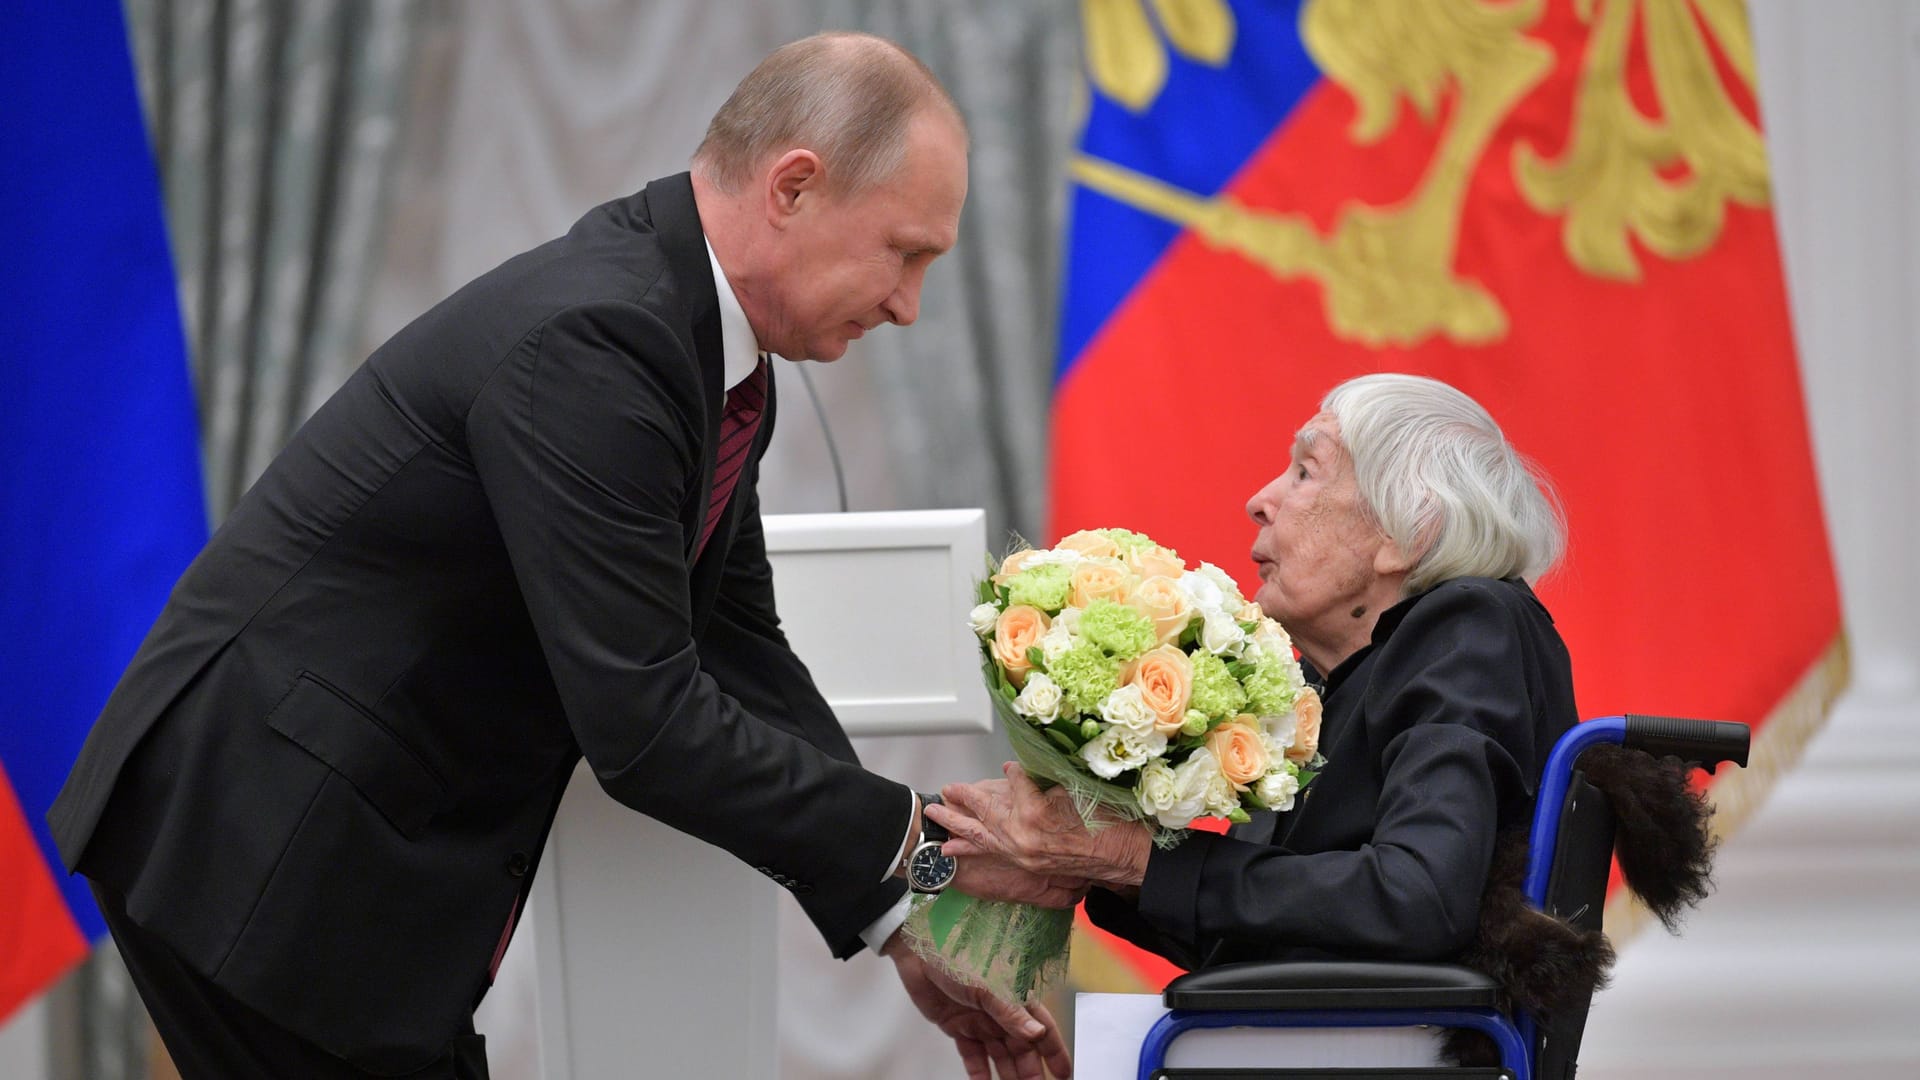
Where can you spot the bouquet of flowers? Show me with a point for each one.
(1151, 691)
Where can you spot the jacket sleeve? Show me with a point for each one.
(743, 649)
(1449, 697)
(1118, 916)
(584, 439)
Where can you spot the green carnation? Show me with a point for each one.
(1086, 675)
(1117, 628)
(1215, 691)
(1272, 686)
(1128, 540)
(1044, 587)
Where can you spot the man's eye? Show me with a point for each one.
(1301, 471)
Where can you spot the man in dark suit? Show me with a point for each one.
(526, 531)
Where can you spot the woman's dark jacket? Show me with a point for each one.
(1435, 734)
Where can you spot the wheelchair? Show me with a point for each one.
(1570, 851)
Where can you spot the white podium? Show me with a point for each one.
(643, 952)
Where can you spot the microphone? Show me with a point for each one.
(826, 429)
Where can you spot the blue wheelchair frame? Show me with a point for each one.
(1365, 994)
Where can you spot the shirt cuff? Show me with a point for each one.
(882, 928)
(905, 841)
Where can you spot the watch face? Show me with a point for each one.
(929, 871)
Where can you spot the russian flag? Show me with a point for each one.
(1272, 197)
(101, 503)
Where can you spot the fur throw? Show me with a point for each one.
(1545, 964)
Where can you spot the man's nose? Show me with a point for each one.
(903, 307)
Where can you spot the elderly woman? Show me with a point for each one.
(1396, 549)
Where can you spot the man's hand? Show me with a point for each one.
(988, 1032)
(1040, 832)
(990, 877)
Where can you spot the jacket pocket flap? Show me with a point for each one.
(355, 745)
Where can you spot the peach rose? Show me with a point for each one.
(1099, 579)
(1165, 602)
(1306, 727)
(1155, 562)
(1250, 612)
(1091, 544)
(1018, 629)
(1240, 750)
(1165, 678)
(1014, 563)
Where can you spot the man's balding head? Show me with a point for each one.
(848, 97)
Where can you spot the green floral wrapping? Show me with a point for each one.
(1014, 950)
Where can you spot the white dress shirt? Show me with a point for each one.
(740, 353)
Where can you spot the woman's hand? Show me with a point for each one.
(1039, 831)
(989, 877)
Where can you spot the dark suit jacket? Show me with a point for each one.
(1435, 735)
(328, 773)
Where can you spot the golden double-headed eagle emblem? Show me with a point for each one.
(1387, 272)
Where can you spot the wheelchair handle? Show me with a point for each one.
(1706, 742)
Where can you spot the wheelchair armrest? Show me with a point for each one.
(1333, 984)
(1706, 743)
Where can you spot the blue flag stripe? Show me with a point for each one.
(101, 503)
(1197, 134)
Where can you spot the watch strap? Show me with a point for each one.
(931, 831)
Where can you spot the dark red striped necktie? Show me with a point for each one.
(739, 423)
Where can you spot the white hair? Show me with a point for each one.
(846, 96)
(1443, 483)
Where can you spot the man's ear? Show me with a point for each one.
(794, 178)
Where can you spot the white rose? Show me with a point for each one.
(1202, 591)
(1154, 792)
(1280, 732)
(1270, 639)
(1069, 617)
(1127, 708)
(1221, 635)
(1039, 699)
(1118, 749)
(982, 618)
(1224, 582)
(1222, 799)
(1056, 641)
(1191, 780)
(1066, 557)
(1277, 789)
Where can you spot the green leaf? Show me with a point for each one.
(944, 912)
(1060, 739)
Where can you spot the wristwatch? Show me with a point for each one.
(929, 871)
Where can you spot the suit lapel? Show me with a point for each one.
(676, 221)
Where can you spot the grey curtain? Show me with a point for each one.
(274, 123)
(965, 394)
